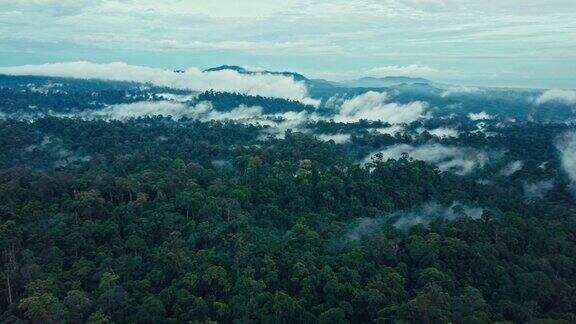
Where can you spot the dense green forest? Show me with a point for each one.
(457, 216)
(196, 222)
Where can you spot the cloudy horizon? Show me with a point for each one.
(517, 44)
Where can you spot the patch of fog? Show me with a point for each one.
(480, 116)
(140, 109)
(203, 111)
(177, 97)
(364, 226)
(390, 130)
(538, 189)
(432, 211)
(482, 127)
(60, 156)
(28, 116)
(376, 106)
(44, 143)
(450, 116)
(206, 112)
(222, 164)
(511, 168)
(280, 123)
(337, 138)
(334, 101)
(66, 157)
(566, 144)
(440, 132)
(458, 160)
(46, 88)
(421, 215)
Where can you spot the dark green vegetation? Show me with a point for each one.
(223, 101)
(177, 222)
(157, 220)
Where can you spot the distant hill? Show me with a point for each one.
(241, 70)
(236, 68)
(372, 82)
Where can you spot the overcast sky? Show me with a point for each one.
(524, 43)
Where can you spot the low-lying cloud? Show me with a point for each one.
(203, 111)
(567, 97)
(376, 106)
(266, 85)
(566, 144)
(277, 124)
(441, 132)
(337, 138)
(390, 130)
(458, 160)
(427, 213)
(511, 168)
(480, 116)
(141, 109)
(56, 153)
(538, 189)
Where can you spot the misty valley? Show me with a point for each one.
(141, 195)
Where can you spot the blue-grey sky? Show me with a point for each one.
(523, 43)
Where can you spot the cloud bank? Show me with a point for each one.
(567, 97)
(375, 106)
(266, 85)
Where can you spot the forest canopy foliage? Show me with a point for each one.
(164, 220)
